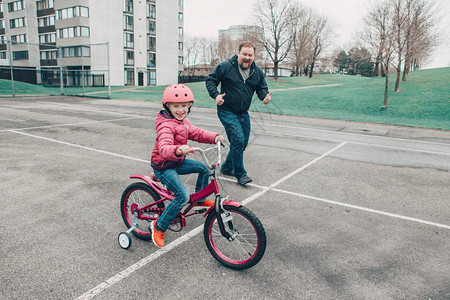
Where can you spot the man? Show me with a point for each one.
(239, 77)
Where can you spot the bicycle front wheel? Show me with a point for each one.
(248, 238)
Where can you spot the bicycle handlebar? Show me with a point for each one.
(203, 153)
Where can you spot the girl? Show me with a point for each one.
(173, 129)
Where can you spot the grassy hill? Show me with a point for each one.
(424, 100)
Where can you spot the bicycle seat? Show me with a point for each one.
(154, 178)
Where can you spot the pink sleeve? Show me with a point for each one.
(166, 143)
(200, 135)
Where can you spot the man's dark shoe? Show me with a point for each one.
(224, 172)
(244, 180)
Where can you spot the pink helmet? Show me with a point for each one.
(177, 93)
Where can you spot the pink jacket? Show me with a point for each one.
(171, 134)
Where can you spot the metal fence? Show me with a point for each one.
(55, 73)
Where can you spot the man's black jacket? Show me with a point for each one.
(238, 93)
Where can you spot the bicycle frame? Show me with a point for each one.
(211, 188)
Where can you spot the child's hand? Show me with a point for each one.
(218, 138)
(183, 150)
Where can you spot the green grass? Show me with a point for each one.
(424, 100)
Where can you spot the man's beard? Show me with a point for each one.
(245, 68)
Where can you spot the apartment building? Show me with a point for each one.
(145, 40)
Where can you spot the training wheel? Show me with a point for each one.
(124, 240)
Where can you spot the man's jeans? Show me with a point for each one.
(237, 128)
(171, 179)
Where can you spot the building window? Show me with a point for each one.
(151, 43)
(3, 55)
(128, 23)
(20, 55)
(76, 51)
(73, 32)
(48, 54)
(129, 58)
(151, 77)
(129, 76)
(180, 30)
(128, 6)
(72, 12)
(128, 40)
(19, 22)
(151, 59)
(151, 11)
(180, 60)
(180, 16)
(44, 4)
(47, 38)
(2, 40)
(2, 23)
(16, 5)
(151, 27)
(17, 39)
(46, 21)
(180, 45)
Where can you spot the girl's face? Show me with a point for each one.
(179, 109)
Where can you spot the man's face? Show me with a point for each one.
(245, 57)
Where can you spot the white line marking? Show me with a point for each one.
(364, 209)
(277, 134)
(143, 262)
(306, 166)
(81, 147)
(74, 124)
(133, 268)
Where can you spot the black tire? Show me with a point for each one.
(143, 194)
(246, 249)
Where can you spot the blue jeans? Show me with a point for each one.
(237, 128)
(172, 180)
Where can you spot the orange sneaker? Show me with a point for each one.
(157, 236)
(206, 203)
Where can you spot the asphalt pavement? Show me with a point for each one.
(351, 210)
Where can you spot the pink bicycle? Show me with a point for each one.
(233, 234)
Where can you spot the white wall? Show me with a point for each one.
(167, 41)
(106, 22)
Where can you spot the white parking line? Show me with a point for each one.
(133, 268)
(81, 147)
(73, 124)
(130, 270)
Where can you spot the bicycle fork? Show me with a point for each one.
(223, 218)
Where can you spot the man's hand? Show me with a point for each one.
(219, 99)
(268, 98)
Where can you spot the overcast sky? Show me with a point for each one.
(206, 17)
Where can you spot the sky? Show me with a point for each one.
(206, 17)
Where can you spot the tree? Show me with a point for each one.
(276, 19)
(341, 62)
(360, 62)
(320, 32)
(191, 53)
(421, 19)
(377, 33)
(300, 51)
(399, 29)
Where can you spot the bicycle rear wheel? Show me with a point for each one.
(248, 244)
(143, 194)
